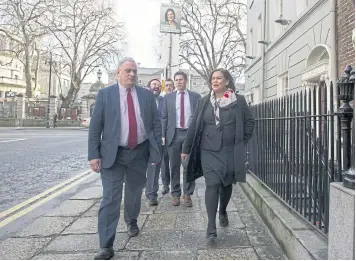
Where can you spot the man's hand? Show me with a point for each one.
(184, 157)
(95, 165)
(163, 141)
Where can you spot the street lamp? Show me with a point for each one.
(346, 86)
(99, 74)
(50, 63)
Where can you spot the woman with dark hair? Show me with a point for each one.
(169, 20)
(216, 143)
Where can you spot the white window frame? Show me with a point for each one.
(283, 84)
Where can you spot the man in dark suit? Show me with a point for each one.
(124, 137)
(165, 169)
(152, 185)
(178, 109)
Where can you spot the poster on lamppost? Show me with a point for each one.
(170, 19)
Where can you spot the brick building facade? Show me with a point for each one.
(345, 27)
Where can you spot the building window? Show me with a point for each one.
(283, 85)
(194, 83)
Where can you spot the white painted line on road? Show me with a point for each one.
(4, 141)
(41, 202)
(29, 201)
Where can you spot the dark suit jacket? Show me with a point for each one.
(160, 106)
(104, 129)
(169, 114)
(244, 127)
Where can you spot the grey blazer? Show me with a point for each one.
(104, 129)
(169, 114)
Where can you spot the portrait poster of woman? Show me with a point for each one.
(170, 19)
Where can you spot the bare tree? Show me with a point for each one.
(19, 20)
(87, 36)
(212, 35)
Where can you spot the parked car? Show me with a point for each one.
(85, 122)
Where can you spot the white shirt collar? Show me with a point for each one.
(124, 89)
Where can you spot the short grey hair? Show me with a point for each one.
(126, 59)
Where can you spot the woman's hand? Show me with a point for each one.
(184, 156)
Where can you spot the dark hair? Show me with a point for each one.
(181, 73)
(169, 79)
(227, 76)
(149, 83)
(166, 14)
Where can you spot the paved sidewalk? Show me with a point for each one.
(167, 232)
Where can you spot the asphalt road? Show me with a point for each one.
(34, 160)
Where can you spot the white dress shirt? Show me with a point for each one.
(187, 110)
(124, 125)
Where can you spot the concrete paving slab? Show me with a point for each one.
(156, 240)
(269, 252)
(166, 207)
(227, 254)
(21, 248)
(45, 227)
(83, 225)
(93, 211)
(89, 225)
(89, 242)
(119, 255)
(226, 239)
(95, 192)
(71, 208)
(259, 236)
(160, 222)
(191, 221)
(168, 255)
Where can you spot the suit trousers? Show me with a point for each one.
(174, 152)
(152, 185)
(130, 168)
(165, 170)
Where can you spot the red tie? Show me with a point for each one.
(182, 110)
(132, 140)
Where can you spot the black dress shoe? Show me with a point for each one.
(212, 236)
(152, 202)
(165, 190)
(104, 254)
(223, 220)
(132, 230)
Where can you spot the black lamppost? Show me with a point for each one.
(50, 63)
(99, 74)
(346, 86)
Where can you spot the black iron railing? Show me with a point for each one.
(296, 149)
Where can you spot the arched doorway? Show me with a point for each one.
(317, 66)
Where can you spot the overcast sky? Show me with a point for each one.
(141, 19)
